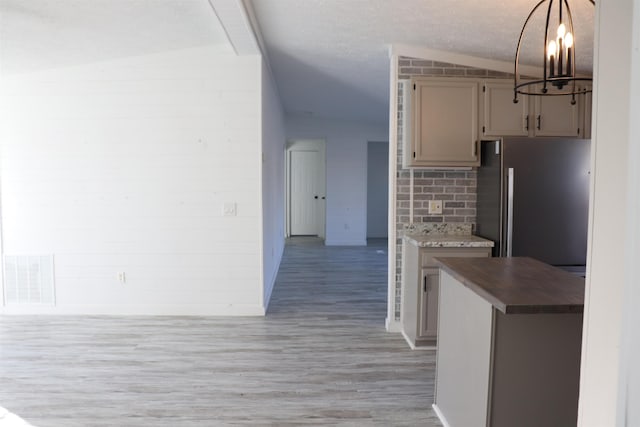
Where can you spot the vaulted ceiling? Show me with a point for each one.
(330, 58)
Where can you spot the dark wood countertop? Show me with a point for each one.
(519, 284)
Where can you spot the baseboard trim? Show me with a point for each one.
(418, 347)
(139, 310)
(393, 325)
(267, 296)
(328, 242)
(440, 415)
(408, 340)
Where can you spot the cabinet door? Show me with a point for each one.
(445, 116)
(556, 116)
(503, 117)
(429, 303)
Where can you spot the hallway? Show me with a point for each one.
(320, 357)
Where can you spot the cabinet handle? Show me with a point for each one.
(475, 149)
(539, 120)
(526, 122)
(424, 284)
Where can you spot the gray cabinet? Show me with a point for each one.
(428, 322)
(556, 116)
(441, 122)
(533, 115)
(501, 116)
(444, 118)
(421, 287)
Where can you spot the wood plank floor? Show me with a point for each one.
(320, 357)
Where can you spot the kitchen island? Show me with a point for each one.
(509, 341)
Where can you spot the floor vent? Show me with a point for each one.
(28, 279)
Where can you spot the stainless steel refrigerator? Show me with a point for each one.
(533, 199)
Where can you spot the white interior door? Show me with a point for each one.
(305, 195)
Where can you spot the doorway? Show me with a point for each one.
(305, 180)
(377, 190)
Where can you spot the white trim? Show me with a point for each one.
(260, 188)
(411, 184)
(419, 347)
(412, 51)
(139, 310)
(408, 340)
(267, 297)
(339, 242)
(440, 415)
(391, 323)
(287, 215)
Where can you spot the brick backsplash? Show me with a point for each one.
(408, 67)
(456, 188)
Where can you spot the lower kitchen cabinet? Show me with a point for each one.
(420, 289)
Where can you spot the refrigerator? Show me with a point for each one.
(533, 199)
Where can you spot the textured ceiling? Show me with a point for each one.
(329, 57)
(37, 34)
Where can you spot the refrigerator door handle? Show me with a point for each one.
(509, 245)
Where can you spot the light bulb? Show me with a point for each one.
(561, 30)
(568, 40)
(551, 49)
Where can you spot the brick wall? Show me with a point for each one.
(457, 189)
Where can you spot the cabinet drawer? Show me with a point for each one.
(427, 255)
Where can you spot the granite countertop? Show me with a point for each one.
(519, 284)
(448, 241)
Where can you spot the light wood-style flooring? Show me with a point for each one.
(320, 357)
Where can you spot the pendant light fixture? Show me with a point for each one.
(559, 62)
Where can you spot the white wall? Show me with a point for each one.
(628, 413)
(377, 189)
(273, 169)
(346, 144)
(606, 393)
(125, 166)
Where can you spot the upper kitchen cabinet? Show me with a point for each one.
(531, 115)
(441, 122)
(444, 118)
(503, 117)
(555, 115)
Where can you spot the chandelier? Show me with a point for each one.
(559, 62)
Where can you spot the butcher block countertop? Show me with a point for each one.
(519, 284)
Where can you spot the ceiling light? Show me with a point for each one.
(558, 59)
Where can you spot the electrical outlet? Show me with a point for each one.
(229, 209)
(435, 207)
(121, 277)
